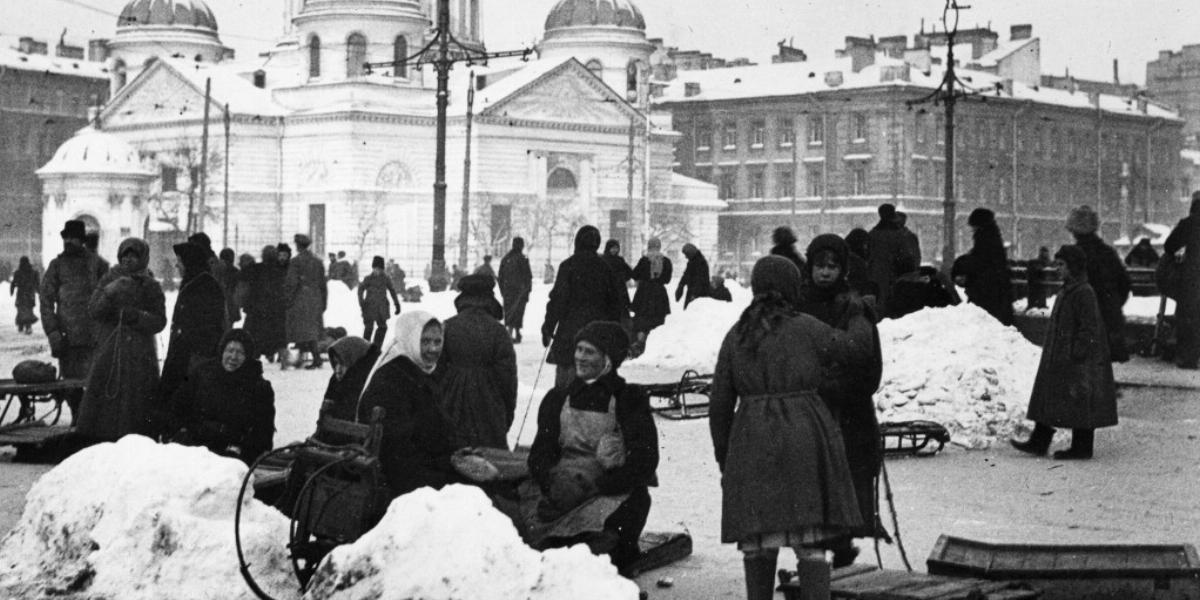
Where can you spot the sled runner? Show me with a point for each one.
(687, 399)
(913, 438)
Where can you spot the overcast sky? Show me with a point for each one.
(1083, 35)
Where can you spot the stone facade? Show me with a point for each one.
(1174, 79)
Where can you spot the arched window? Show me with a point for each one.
(260, 79)
(399, 53)
(631, 80)
(356, 55)
(595, 67)
(118, 75)
(314, 57)
(561, 181)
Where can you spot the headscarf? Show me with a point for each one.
(238, 335)
(349, 350)
(25, 266)
(587, 239)
(404, 339)
(654, 253)
(775, 282)
(610, 244)
(140, 249)
(194, 258)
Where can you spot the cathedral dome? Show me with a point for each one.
(95, 152)
(595, 13)
(171, 13)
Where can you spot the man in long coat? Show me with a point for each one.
(1107, 276)
(1186, 236)
(516, 281)
(887, 244)
(306, 296)
(198, 321)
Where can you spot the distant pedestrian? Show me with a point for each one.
(263, 300)
(1074, 386)
(1186, 237)
(585, 291)
(548, 272)
(1142, 255)
(347, 270)
(858, 273)
(198, 321)
(397, 275)
(6, 270)
(334, 270)
(784, 240)
(227, 276)
(651, 303)
(129, 310)
(887, 242)
(306, 294)
(719, 291)
(1107, 276)
(285, 254)
(516, 283)
(478, 368)
(612, 256)
(245, 261)
(25, 284)
(918, 288)
(66, 289)
(373, 296)
(695, 277)
(456, 275)
(985, 268)
(486, 267)
(91, 241)
(912, 242)
(1035, 277)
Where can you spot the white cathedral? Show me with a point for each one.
(309, 138)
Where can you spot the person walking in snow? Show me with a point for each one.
(612, 256)
(785, 478)
(25, 286)
(129, 310)
(373, 296)
(306, 293)
(478, 367)
(651, 303)
(261, 296)
(198, 321)
(695, 277)
(1035, 276)
(785, 245)
(1107, 276)
(848, 386)
(485, 268)
(228, 275)
(1074, 386)
(985, 268)
(516, 282)
(1186, 237)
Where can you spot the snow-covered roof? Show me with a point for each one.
(92, 151)
(10, 58)
(1190, 155)
(1158, 234)
(1003, 50)
(229, 86)
(503, 88)
(793, 79)
(690, 192)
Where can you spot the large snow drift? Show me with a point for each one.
(449, 544)
(139, 520)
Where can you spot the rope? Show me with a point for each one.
(114, 375)
(887, 483)
(532, 393)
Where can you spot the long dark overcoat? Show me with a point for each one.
(516, 281)
(784, 460)
(888, 244)
(1074, 386)
(306, 293)
(197, 324)
(1186, 236)
(584, 291)
(695, 278)
(651, 302)
(1110, 281)
(478, 374)
(222, 409)
(65, 293)
(265, 305)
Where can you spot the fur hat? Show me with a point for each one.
(377, 262)
(1075, 258)
(981, 217)
(887, 212)
(201, 239)
(74, 230)
(283, 247)
(609, 337)
(192, 255)
(301, 240)
(1083, 220)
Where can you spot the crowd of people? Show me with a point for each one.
(792, 420)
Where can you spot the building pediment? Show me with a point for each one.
(567, 95)
(158, 94)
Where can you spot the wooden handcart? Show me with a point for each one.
(38, 437)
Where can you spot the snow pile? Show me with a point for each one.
(138, 520)
(960, 367)
(691, 339)
(452, 544)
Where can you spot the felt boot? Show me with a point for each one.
(1039, 441)
(812, 576)
(760, 576)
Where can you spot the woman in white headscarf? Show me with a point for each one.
(418, 440)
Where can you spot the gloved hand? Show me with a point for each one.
(119, 286)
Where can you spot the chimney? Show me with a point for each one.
(1021, 32)
(97, 50)
(28, 45)
(894, 46)
(861, 52)
(1143, 105)
(894, 73)
(1116, 73)
(1008, 87)
(833, 78)
(65, 51)
(260, 79)
(691, 88)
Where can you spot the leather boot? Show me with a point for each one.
(1039, 440)
(812, 576)
(760, 576)
(1082, 442)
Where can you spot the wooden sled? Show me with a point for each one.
(867, 582)
(659, 549)
(912, 438)
(687, 399)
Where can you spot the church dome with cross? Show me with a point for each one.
(608, 36)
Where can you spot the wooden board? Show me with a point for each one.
(865, 582)
(661, 548)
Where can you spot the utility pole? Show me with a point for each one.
(947, 93)
(464, 221)
(199, 224)
(438, 52)
(225, 226)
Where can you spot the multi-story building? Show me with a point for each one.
(1174, 80)
(44, 99)
(821, 145)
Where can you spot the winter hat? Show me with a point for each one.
(477, 290)
(609, 337)
(610, 244)
(238, 335)
(227, 255)
(859, 241)
(982, 217)
(587, 239)
(139, 248)
(783, 236)
(827, 242)
(193, 257)
(887, 212)
(689, 250)
(776, 274)
(74, 230)
(283, 247)
(302, 241)
(201, 239)
(1075, 258)
(377, 262)
(1083, 220)
(348, 350)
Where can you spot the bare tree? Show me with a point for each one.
(180, 178)
(671, 226)
(368, 214)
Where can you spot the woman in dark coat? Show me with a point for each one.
(595, 455)
(225, 404)
(129, 310)
(1074, 385)
(418, 439)
(848, 386)
(695, 276)
(478, 368)
(985, 268)
(584, 291)
(1186, 237)
(651, 304)
(25, 285)
(785, 478)
(263, 300)
(785, 245)
(516, 281)
(351, 359)
(1107, 276)
(612, 256)
(198, 321)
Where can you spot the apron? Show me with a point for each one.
(591, 443)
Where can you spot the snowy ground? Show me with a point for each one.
(1140, 488)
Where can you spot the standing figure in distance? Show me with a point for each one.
(1106, 275)
(516, 282)
(651, 303)
(25, 286)
(261, 295)
(985, 268)
(1186, 237)
(306, 297)
(373, 296)
(198, 321)
(695, 276)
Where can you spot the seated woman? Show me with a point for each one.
(225, 405)
(418, 439)
(352, 359)
(594, 456)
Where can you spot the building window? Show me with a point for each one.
(356, 55)
(816, 129)
(170, 179)
(919, 181)
(940, 124)
(729, 136)
(787, 132)
(703, 137)
(816, 181)
(728, 186)
(919, 126)
(399, 54)
(758, 184)
(784, 183)
(631, 81)
(595, 67)
(858, 181)
(314, 57)
(860, 127)
(119, 74)
(758, 134)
